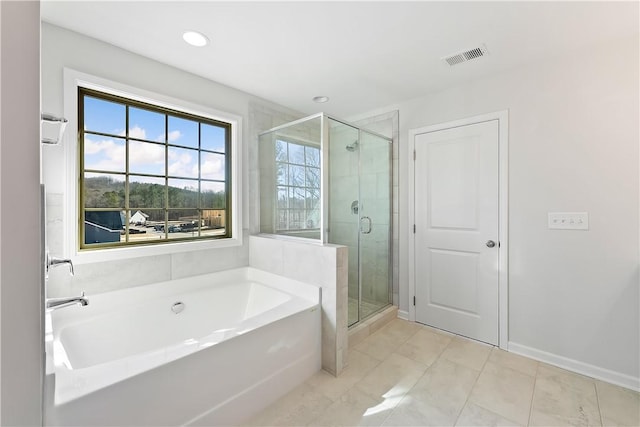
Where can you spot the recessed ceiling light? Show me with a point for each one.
(320, 99)
(195, 38)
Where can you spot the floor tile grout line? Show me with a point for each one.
(387, 357)
(533, 393)
(353, 383)
(472, 387)
(598, 402)
(407, 392)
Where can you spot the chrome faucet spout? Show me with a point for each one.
(55, 303)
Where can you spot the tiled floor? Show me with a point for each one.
(411, 375)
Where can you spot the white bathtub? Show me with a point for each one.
(243, 338)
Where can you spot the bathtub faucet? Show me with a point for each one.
(55, 303)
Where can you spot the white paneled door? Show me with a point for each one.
(456, 230)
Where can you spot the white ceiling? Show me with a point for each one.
(363, 55)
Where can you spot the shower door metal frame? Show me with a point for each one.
(323, 175)
(389, 228)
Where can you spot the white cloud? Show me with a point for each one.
(174, 135)
(182, 164)
(212, 167)
(111, 155)
(135, 132)
(144, 153)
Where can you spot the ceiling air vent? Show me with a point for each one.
(467, 55)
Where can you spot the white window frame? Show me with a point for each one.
(74, 79)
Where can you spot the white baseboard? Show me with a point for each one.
(593, 371)
(402, 314)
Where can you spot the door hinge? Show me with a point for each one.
(414, 155)
(414, 300)
(414, 229)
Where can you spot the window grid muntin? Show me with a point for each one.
(296, 215)
(128, 211)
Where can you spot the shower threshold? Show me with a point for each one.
(367, 308)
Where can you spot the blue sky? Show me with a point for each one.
(108, 153)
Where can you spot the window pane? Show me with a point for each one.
(313, 198)
(282, 176)
(281, 151)
(156, 224)
(104, 116)
(312, 156)
(145, 124)
(183, 223)
(102, 153)
(103, 190)
(296, 219)
(213, 138)
(163, 177)
(145, 157)
(146, 192)
(296, 198)
(183, 132)
(142, 227)
(183, 162)
(283, 197)
(213, 195)
(313, 208)
(213, 222)
(183, 193)
(103, 226)
(296, 154)
(283, 220)
(312, 177)
(212, 166)
(296, 175)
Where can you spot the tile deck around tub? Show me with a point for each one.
(406, 374)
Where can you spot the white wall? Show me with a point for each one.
(573, 146)
(20, 273)
(62, 48)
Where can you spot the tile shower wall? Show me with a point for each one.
(388, 124)
(321, 265)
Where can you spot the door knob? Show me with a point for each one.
(490, 243)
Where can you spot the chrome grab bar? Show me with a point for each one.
(369, 228)
(53, 261)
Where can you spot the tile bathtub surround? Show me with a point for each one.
(100, 277)
(406, 374)
(321, 265)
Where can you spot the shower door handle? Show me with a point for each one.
(368, 230)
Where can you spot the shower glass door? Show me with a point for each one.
(360, 214)
(375, 223)
(344, 208)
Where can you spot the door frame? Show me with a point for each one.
(503, 213)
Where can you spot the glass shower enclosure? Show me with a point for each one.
(324, 179)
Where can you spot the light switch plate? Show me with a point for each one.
(568, 220)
